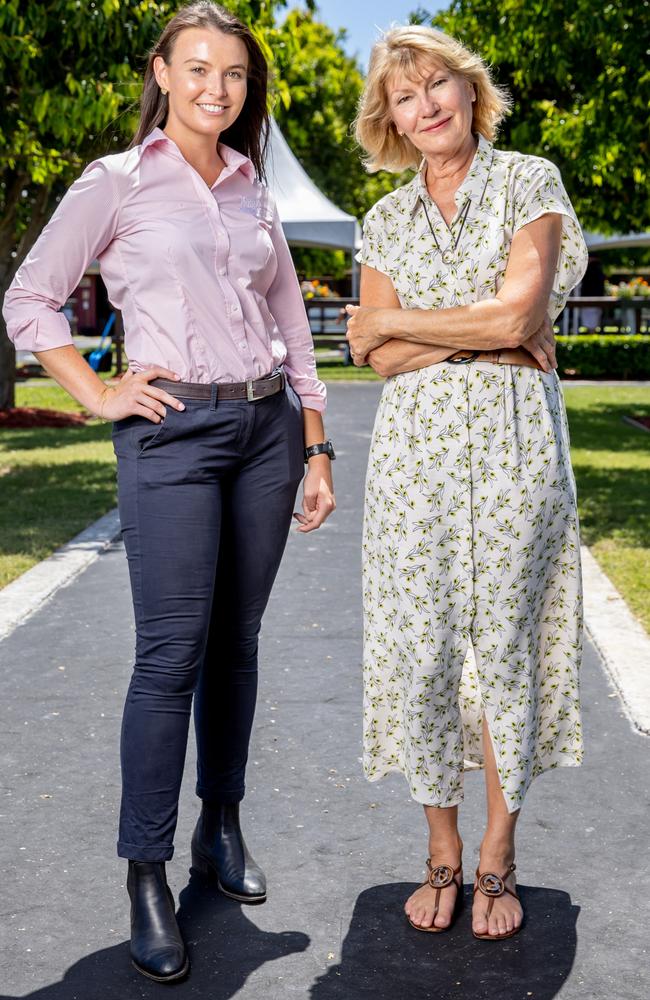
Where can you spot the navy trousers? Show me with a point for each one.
(205, 500)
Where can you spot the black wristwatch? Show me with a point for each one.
(326, 448)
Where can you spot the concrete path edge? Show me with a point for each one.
(621, 640)
(25, 595)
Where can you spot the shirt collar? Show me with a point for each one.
(473, 185)
(231, 157)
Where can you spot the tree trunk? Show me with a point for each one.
(41, 210)
(7, 368)
(7, 351)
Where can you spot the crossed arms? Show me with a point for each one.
(392, 339)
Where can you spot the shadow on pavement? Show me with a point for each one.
(384, 958)
(224, 945)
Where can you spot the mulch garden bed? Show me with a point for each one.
(35, 416)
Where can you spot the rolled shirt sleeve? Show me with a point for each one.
(83, 224)
(539, 190)
(287, 307)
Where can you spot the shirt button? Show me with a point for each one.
(243, 345)
(222, 270)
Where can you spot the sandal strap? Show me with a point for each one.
(441, 877)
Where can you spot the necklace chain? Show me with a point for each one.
(460, 231)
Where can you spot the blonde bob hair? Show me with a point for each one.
(402, 52)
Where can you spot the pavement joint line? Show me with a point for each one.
(25, 595)
(636, 423)
(621, 640)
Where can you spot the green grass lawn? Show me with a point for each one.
(612, 467)
(55, 482)
(336, 372)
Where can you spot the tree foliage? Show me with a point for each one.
(580, 78)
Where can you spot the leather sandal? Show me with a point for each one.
(439, 878)
(493, 886)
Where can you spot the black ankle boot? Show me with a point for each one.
(157, 948)
(219, 849)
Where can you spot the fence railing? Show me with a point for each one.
(327, 320)
(619, 315)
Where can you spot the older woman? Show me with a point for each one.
(471, 530)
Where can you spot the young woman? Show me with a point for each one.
(471, 528)
(210, 428)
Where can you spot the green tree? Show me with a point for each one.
(71, 74)
(580, 78)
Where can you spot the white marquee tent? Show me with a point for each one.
(620, 241)
(309, 219)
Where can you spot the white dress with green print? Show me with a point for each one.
(470, 528)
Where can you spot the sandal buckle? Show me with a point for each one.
(441, 876)
(491, 885)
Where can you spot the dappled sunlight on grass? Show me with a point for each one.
(55, 482)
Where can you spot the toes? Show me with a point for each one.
(480, 923)
(442, 920)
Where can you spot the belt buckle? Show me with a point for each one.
(454, 360)
(250, 392)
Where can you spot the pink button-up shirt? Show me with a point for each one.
(203, 276)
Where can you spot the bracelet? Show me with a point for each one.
(102, 401)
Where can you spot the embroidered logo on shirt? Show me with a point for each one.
(259, 207)
(251, 205)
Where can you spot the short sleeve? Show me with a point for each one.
(539, 191)
(373, 244)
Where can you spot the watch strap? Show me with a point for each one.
(323, 448)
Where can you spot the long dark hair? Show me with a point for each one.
(249, 134)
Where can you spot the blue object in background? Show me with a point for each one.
(105, 345)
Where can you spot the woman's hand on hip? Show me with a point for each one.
(542, 345)
(318, 494)
(367, 328)
(133, 396)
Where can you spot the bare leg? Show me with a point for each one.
(497, 852)
(445, 848)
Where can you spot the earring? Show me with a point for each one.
(163, 92)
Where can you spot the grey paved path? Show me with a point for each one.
(341, 854)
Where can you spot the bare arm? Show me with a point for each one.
(393, 356)
(508, 319)
(132, 395)
(318, 488)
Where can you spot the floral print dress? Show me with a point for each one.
(470, 524)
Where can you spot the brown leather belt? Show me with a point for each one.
(508, 356)
(252, 389)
